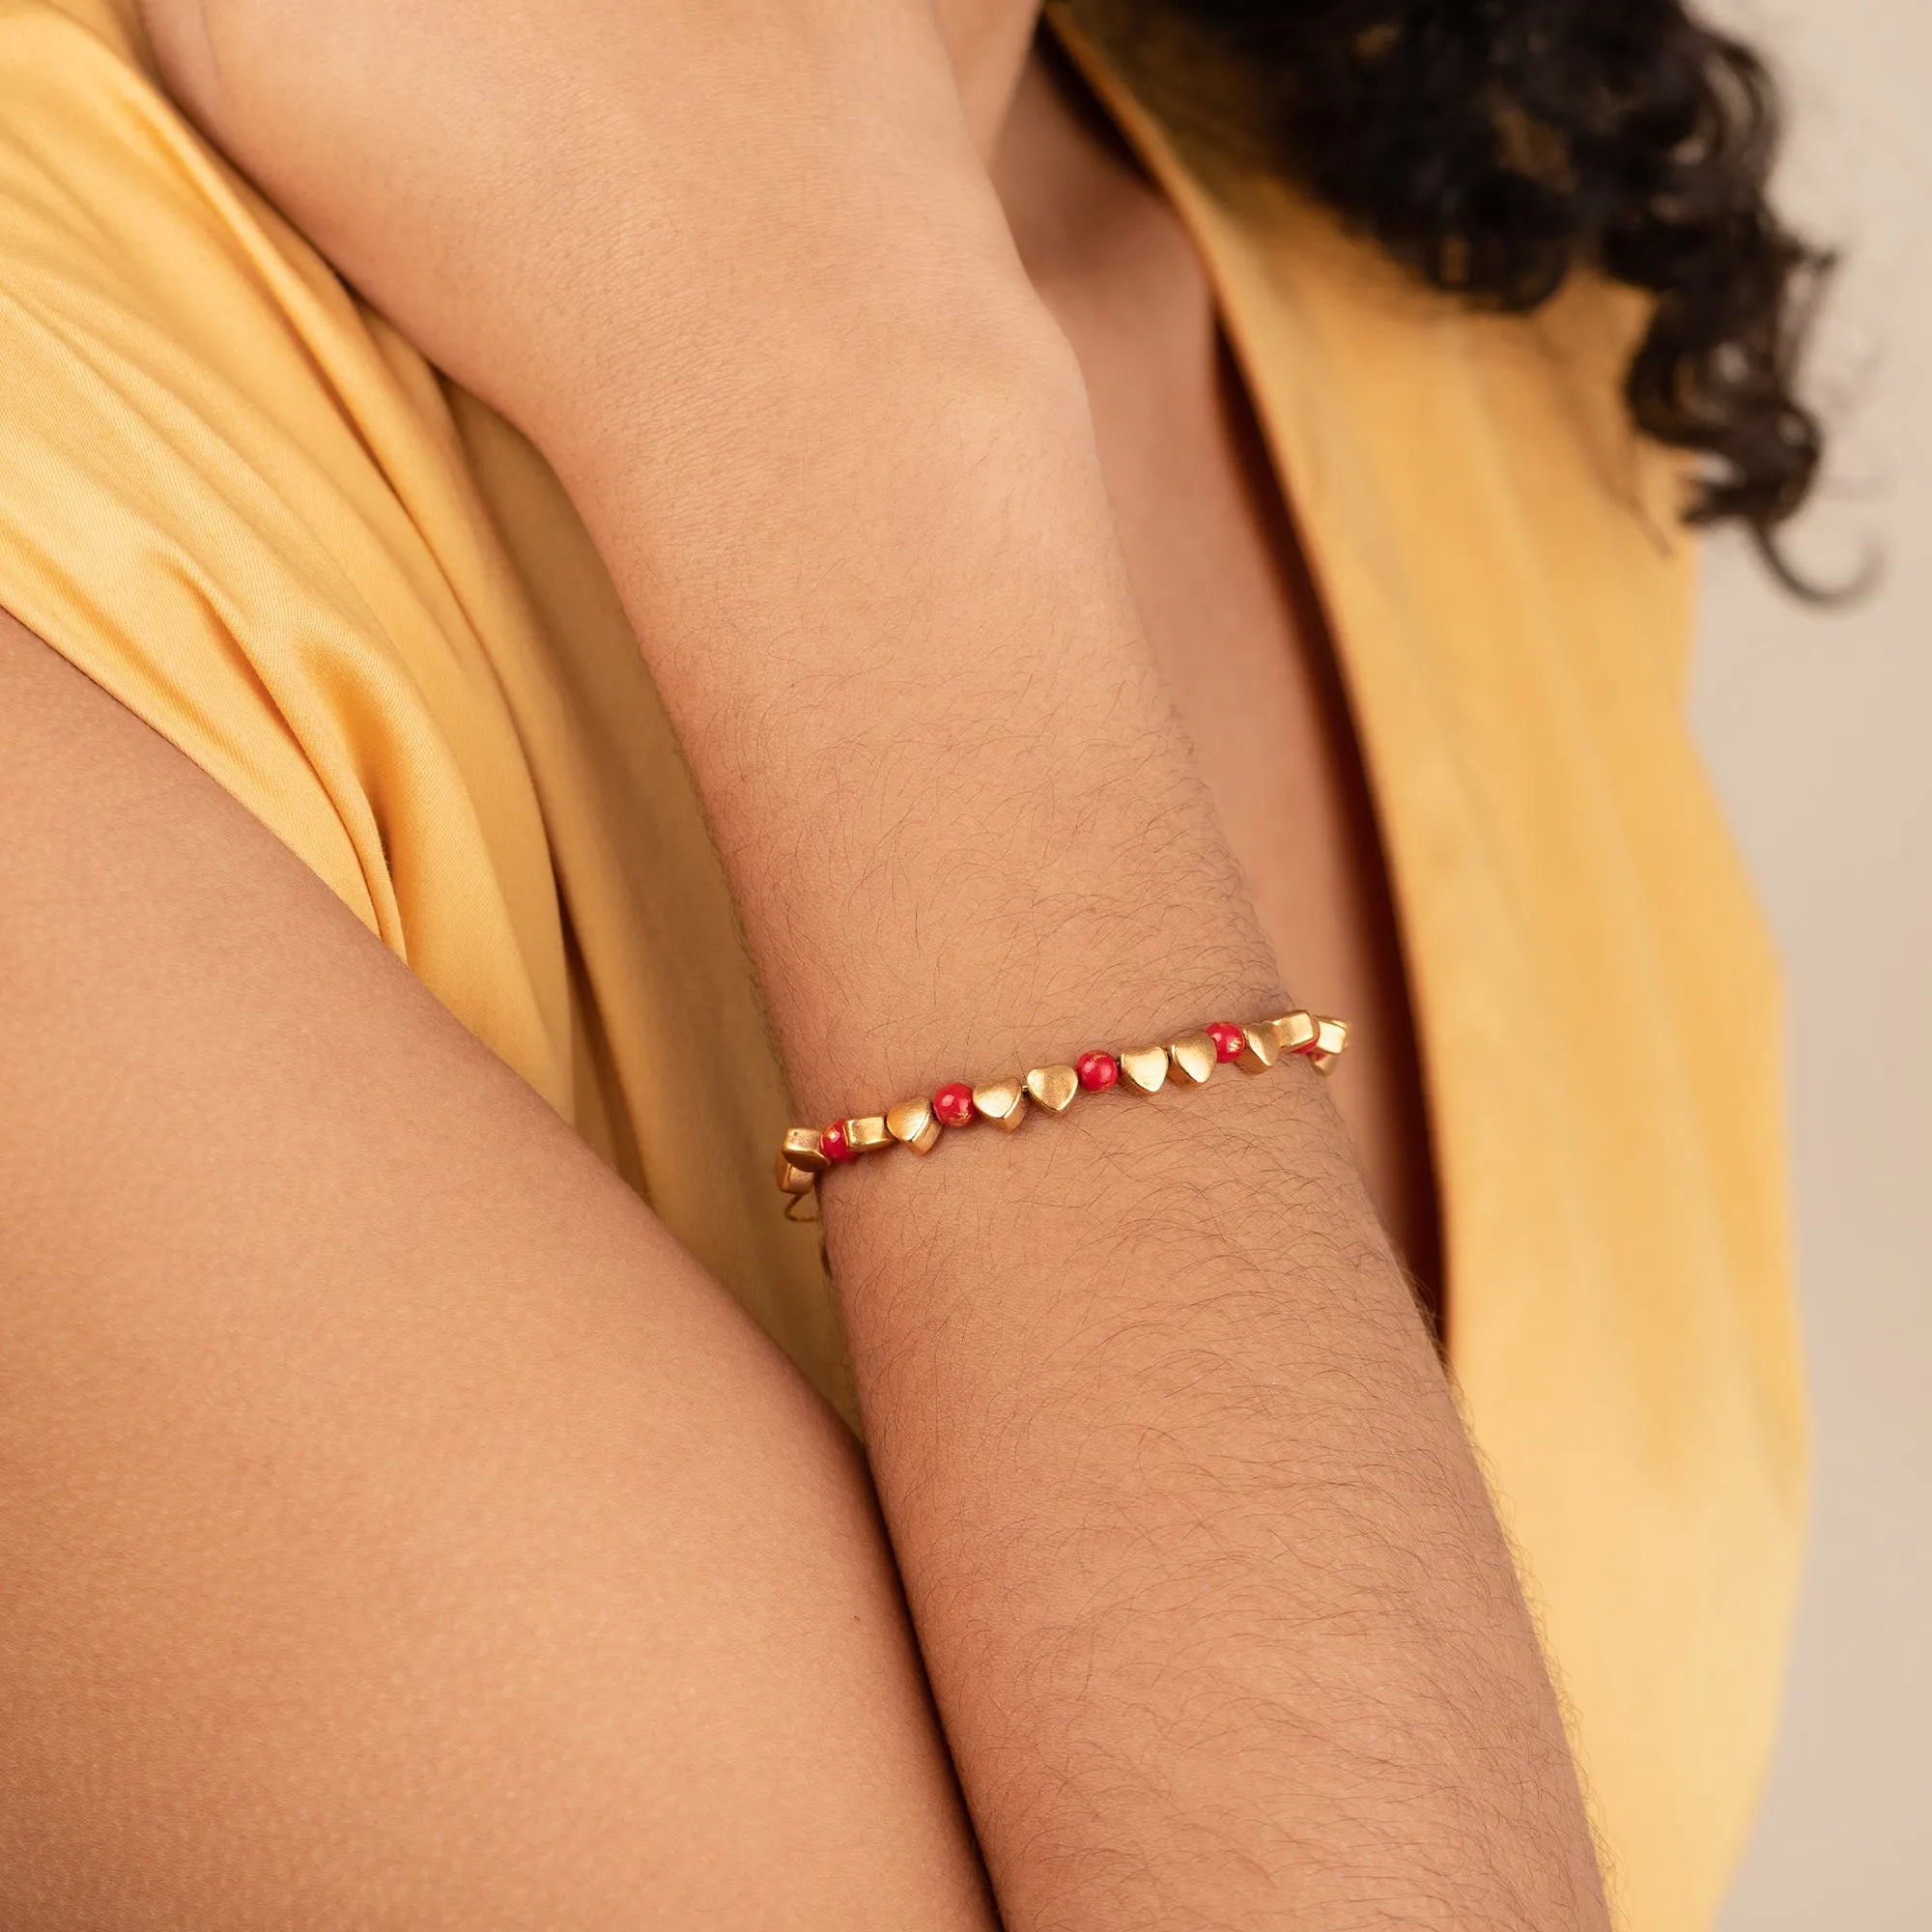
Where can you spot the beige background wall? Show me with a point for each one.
(1820, 733)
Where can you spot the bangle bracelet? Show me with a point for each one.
(808, 1152)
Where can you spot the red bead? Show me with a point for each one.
(952, 1106)
(1098, 1071)
(1227, 1042)
(833, 1144)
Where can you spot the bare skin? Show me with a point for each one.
(399, 1530)
(435, 1545)
(1228, 608)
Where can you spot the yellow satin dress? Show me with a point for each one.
(239, 502)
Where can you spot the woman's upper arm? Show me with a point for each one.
(396, 1526)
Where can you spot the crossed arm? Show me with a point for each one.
(399, 1529)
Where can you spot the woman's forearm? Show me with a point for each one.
(1218, 1618)
(905, 665)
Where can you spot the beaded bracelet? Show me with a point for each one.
(808, 1152)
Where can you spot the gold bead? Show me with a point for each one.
(1296, 1031)
(1259, 1049)
(802, 1150)
(1330, 1037)
(1004, 1103)
(1053, 1087)
(1194, 1058)
(1145, 1068)
(795, 1179)
(867, 1133)
(914, 1124)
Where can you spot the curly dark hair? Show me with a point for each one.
(1492, 146)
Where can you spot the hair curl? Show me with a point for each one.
(1494, 146)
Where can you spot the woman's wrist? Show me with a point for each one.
(896, 635)
(846, 484)
(773, 415)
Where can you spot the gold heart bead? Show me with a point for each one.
(1004, 1103)
(1296, 1031)
(1194, 1057)
(1259, 1049)
(1145, 1068)
(1330, 1037)
(867, 1133)
(1053, 1087)
(801, 1148)
(914, 1124)
(795, 1179)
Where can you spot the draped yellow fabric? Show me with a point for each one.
(363, 604)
